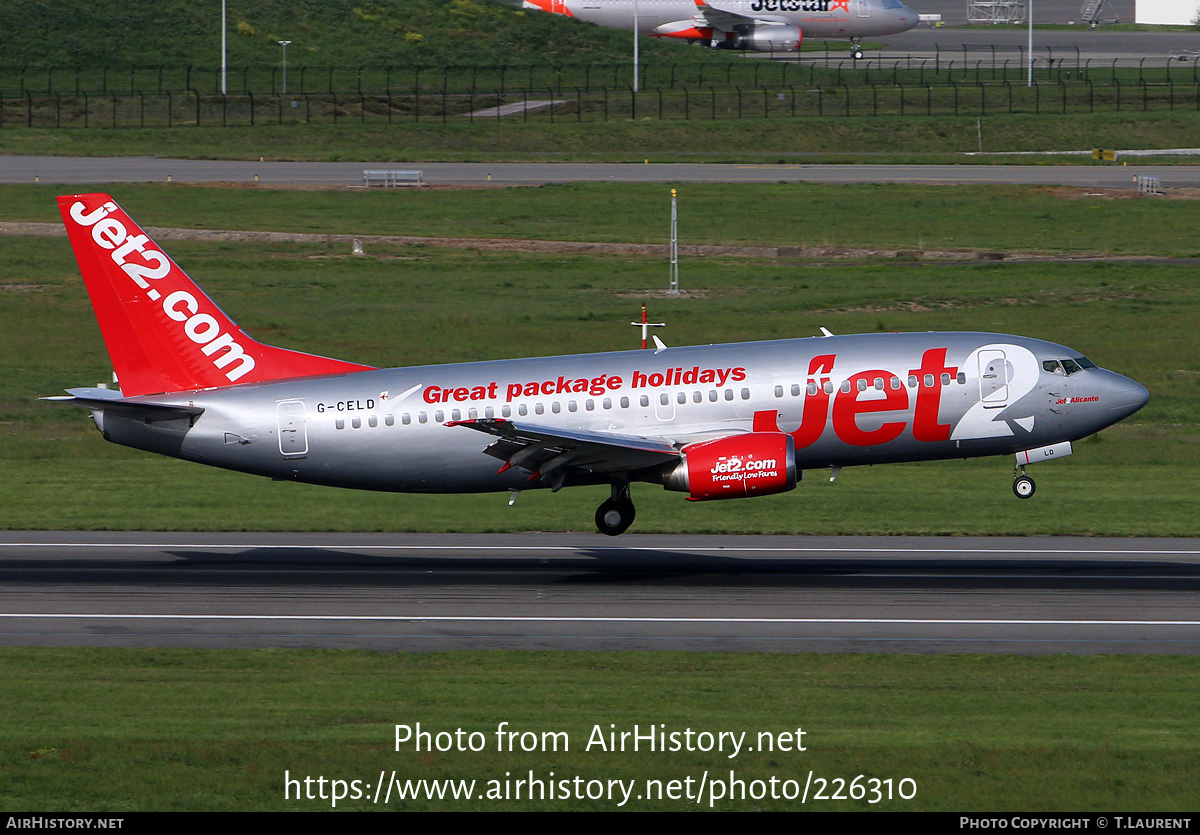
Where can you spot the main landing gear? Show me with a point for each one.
(1023, 485)
(615, 515)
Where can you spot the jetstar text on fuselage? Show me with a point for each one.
(201, 328)
(795, 5)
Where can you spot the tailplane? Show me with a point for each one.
(162, 332)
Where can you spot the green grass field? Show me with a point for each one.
(833, 138)
(124, 730)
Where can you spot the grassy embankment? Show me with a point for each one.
(122, 730)
(416, 305)
(915, 139)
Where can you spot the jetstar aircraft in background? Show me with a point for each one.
(714, 421)
(754, 25)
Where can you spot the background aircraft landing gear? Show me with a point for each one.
(1023, 485)
(615, 515)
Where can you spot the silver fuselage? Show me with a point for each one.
(847, 400)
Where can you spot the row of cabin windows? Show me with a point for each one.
(523, 409)
(878, 383)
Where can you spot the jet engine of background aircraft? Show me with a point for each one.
(764, 37)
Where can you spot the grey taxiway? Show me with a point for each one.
(580, 591)
(84, 171)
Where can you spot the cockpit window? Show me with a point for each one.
(1067, 366)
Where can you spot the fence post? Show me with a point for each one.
(901, 86)
(114, 111)
(142, 113)
(29, 108)
(687, 103)
(251, 95)
(170, 103)
(1117, 84)
(632, 104)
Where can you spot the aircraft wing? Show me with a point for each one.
(545, 450)
(107, 400)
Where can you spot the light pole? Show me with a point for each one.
(223, 90)
(635, 46)
(1030, 82)
(284, 44)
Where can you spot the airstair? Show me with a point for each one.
(1090, 11)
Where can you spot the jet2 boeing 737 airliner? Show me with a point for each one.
(714, 421)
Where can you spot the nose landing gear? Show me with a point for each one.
(856, 51)
(1023, 485)
(615, 515)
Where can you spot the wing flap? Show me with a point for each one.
(544, 450)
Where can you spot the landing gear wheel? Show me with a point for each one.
(614, 516)
(856, 53)
(1023, 486)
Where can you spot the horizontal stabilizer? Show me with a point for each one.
(111, 402)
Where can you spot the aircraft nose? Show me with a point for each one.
(1131, 396)
(1124, 396)
(904, 18)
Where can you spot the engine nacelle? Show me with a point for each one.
(765, 37)
(754, 464)
(685, 30)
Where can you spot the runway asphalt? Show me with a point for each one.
(396, 592)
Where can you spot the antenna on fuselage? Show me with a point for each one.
(645, 326)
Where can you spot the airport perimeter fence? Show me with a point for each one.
(44, 97)
(147, 110)
(970, 64)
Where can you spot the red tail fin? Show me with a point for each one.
(162, 332)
